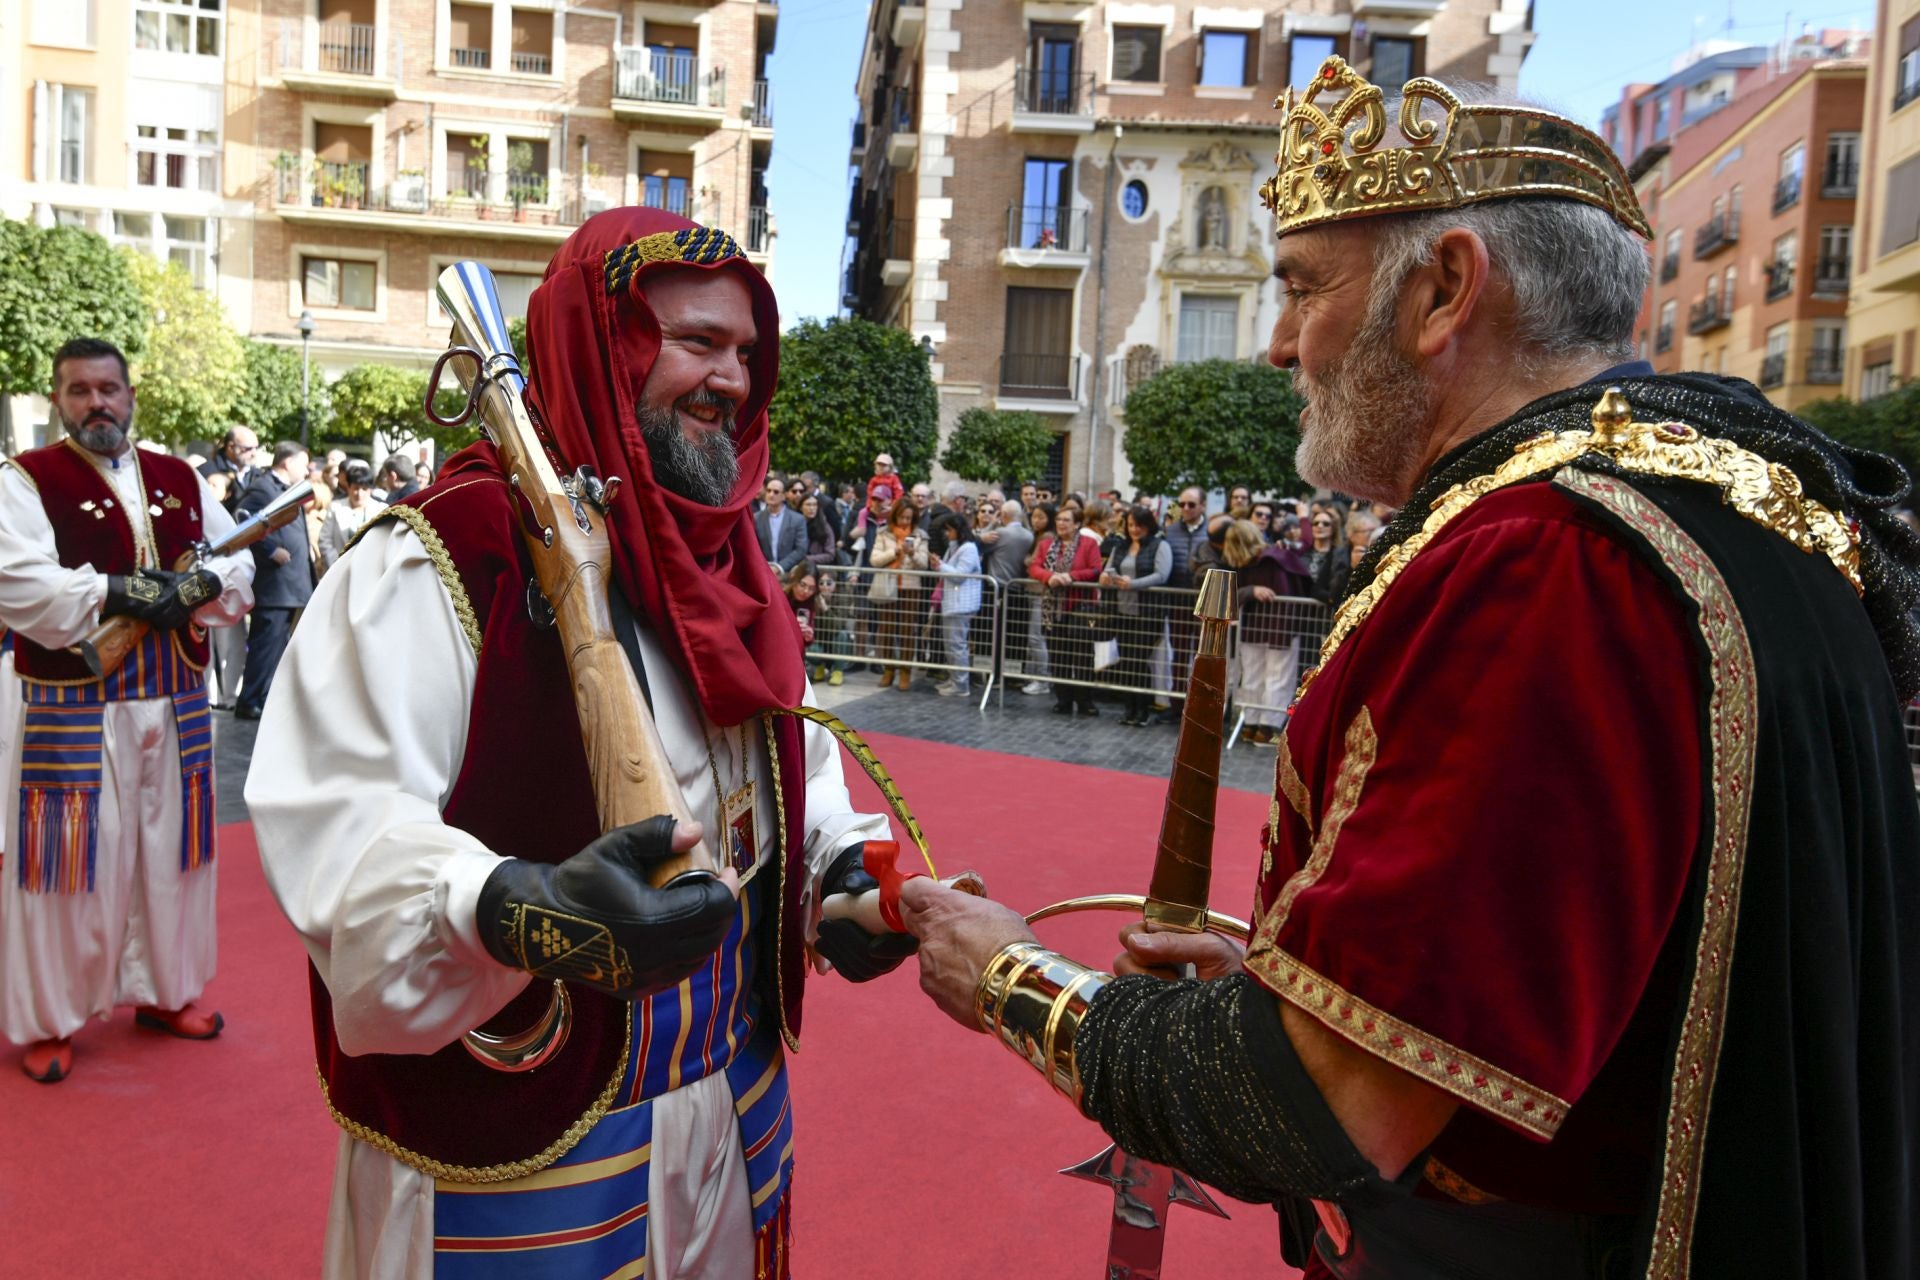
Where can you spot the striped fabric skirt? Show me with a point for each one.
(586, 1215)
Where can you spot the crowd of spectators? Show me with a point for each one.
(1097, 591)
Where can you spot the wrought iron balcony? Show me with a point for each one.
(1827, 367)
(532, 64)
(762, 117)
(1669, 267)
(1033, 376)
(1773, 370)
(1786, 193)
(759, 230)
(1721, 230)
(1663, 339)
(1707, 315)
(1842, 182)
(668, 76)
(471, 59)
(1043, 91)
(1779, 280)
(1831, 277)
(1046, 227)
(1906, 93)
(345, 48)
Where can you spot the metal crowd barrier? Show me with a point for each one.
(1101, 639)
(909, 629)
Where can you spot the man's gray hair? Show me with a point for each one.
(956, 489)
(1578, 276)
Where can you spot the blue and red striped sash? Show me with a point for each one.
(586, 1214)
(61, 767)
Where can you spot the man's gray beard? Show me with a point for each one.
(1371, 411)
(104, 438)
(702, 473)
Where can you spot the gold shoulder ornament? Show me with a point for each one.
(1766, 493)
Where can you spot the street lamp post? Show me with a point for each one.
(306, 370)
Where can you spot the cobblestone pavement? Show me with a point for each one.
(1019, 725)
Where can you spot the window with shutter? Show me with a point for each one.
(1136, 54)
(1900, 225)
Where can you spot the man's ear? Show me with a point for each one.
(1447, 290)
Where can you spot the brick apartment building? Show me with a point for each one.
(118, 125)
(1063, 196)
(389, 138)
(1748, 161)
(1886, 292)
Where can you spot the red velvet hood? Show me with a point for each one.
(695, 572)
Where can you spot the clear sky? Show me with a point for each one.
(1585, 51)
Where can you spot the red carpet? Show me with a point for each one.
(923, 1151)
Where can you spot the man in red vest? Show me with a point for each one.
(430, 788)
(108, 897)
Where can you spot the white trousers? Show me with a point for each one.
(145, 935)
(699, 1208)
(1268, 673)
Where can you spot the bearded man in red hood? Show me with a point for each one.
(428, 782)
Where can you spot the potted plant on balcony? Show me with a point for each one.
(351, 185)
(286, 172)
(479, 166)
(520, 179)
(323, 194)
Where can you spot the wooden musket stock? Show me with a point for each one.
(566, 536)
(108, 645)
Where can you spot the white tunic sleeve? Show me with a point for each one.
(43, 600)
(356, 757)
(235, 571)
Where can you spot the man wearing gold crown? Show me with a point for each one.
(1585, 935)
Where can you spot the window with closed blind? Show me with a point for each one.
(1037, 358)
(1136, 54)
(1900, 226)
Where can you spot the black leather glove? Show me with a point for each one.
(595, 920)
(159, 597)
(859, 956)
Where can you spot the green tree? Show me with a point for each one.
(1888, 424)
(1214, 423)
(994, 444)
(58, 283)
(193, 368)
(385, 405)
(850, 388)
(269, 399)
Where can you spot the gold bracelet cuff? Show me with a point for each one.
(1033, 1000)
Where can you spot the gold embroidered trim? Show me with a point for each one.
(1764, 492)
(8, 464)
(1732, 721)
(1403, 1045)
(494, 1172)
(1362, 749)
(787, 1033)
(442, 563)
(1289, 783)
(1447, 1182)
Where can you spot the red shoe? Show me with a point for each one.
(188, 1023)
(48, 1061)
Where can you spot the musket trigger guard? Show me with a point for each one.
(472, 393)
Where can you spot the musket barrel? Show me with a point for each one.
(1183, 860)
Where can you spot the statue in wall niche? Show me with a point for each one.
(1213, 219)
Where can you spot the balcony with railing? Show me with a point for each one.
(1779, 279)
(1826, 367)
(667, 84)
(341, 57)
(531, 64)
(1721, 230)
(762, 117)
(1841, 181)
(1046, 100)
(899, 120)
(1663, 339)
(759, 230)
(909, 20)
(857, 148)
(337, 194)
(1786, 193)
(1906, 93)
(1045, 236)
(1028, 375)
(1773, 370)
(471, 59)
(1708, 314)
(1669, 266)
(1831, 277)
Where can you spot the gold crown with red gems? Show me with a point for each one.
(1329, 168)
